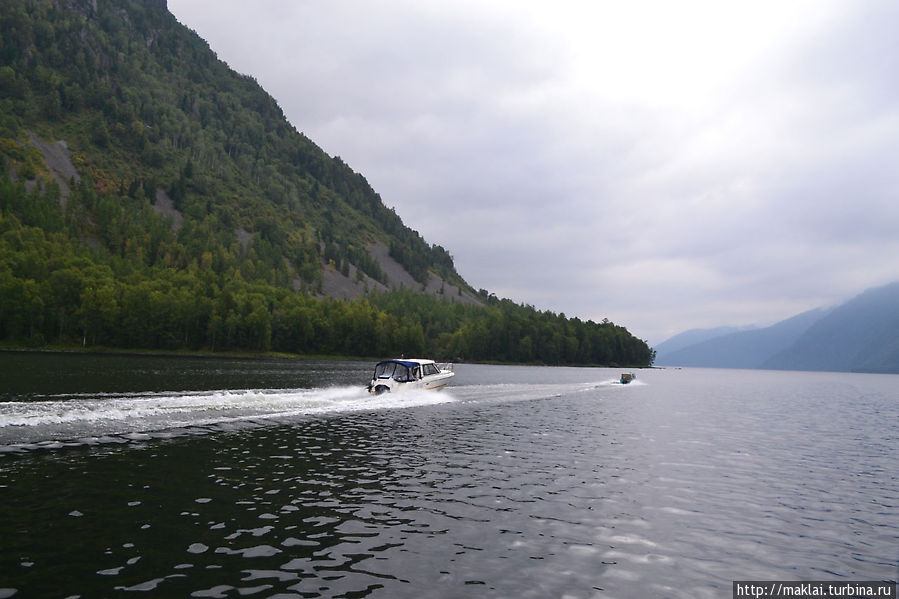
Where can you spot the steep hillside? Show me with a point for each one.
(142, 106)
(150, 197)
(861, 335)
(743, 349)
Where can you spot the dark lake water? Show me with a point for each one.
(187, 477)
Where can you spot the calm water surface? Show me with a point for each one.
(186, 477)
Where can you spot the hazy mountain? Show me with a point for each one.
(693, 337)
(861, 335)
(742, 349)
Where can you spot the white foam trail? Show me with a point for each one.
(121, 416)
(206, 407)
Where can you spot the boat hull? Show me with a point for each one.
(430, 383)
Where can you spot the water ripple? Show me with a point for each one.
(674, 488)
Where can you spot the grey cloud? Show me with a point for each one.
(769, 193)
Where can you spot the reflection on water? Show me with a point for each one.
(30, 374)
(561, 485)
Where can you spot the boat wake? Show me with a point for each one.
(73, 420)
(90, 419)
(618, 383)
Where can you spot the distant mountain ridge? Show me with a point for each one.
(861, 335)
(695, 337)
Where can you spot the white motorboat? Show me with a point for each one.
(402, 374)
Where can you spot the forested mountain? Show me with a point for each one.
(150, 197)
(861, 335)
(153, 116)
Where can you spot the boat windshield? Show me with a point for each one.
(398, 371)
(430, 369)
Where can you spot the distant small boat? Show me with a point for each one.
(402, 374)
(627, 377)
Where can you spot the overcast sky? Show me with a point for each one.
(666, 165)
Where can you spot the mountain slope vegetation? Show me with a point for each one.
(151, 197)
(150, 108)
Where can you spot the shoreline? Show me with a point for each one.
(104, 351)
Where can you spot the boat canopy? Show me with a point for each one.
(406, 363)
(399, 370)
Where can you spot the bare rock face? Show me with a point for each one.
(166, 207)
(59, 161)
(337, 285)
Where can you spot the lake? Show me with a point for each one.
(124, 476)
